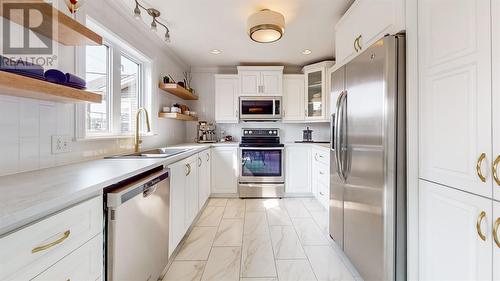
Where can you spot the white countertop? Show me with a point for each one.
(314, 144)
(27, 197)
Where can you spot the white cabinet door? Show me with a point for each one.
(191, 189)
(455, 94)
(293, 98)
(84, 264)
(204, 176)
(271, 83)
(450, 246)
(226, 99)
(298, 169)
(224, 170)
(495, 6)
(177, 204)
(496, 242)
(250, 83)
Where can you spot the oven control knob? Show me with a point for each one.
(270, 132)
(250, 132)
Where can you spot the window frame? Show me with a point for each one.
(117, 48)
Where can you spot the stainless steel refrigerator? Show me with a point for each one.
(367, 177)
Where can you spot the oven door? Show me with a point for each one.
(260, 108)
(261, 165)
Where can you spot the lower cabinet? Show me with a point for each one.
(496, 240)
(178, 172)
(225, 170)
(204, 176)
(191, 189)
(298, 169)
(455, 235)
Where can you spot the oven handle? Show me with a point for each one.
(263, 148)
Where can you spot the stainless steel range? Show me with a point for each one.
(262, 157)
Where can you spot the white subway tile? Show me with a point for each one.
(29, 153)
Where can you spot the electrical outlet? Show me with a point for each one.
(61, 144)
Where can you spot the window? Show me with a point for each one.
(119, 73)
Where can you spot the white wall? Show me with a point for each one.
(204, 84)
(26, 126)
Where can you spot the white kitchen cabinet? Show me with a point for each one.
(298, 169)
(496, 240)
(293, 98)
(226, 99)
(204, 176)
(455, 94)
(495, 12)
(316, 91)
(84, 264)
(450, 229)
(320, 159)
(366, 22)
(177, 220)
(191, 188)
(260, 80)
(224, 170)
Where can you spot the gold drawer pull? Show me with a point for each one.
(478, 167)
(495, 173)
(51, 244)
(478, 225)
(495, 232)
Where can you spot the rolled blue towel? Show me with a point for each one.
(7, 64)
(75, 81)
(55, 76)
(28, 69)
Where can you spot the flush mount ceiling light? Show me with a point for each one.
(215, 52)
(266, 26)
(306, 52)
(155, 14)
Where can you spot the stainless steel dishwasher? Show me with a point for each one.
(137, 227)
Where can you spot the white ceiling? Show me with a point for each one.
(198, 26)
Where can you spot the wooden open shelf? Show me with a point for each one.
(177, 116)
(65, 30)
(22, 86)
(177, 90)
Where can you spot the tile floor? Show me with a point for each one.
(260, 240)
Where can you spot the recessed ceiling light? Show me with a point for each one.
(215, 52)
(306, 52)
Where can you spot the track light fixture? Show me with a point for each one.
(155, 14)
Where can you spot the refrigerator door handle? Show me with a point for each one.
(337, 135)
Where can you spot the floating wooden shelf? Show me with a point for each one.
(22, 86)
(65, 30)
(177, 90)
(177, 116)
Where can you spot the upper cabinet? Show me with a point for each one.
(364, 23)
(226, 99)
(260, 80)
(495, 5)
(455, 94)
(316, 93)
(293, 98)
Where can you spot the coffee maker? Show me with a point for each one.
(206, 132)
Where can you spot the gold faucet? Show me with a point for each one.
(137, 139)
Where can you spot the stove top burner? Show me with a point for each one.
(260, 138)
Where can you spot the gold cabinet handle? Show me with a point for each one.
(478, 167)
(188, 169)
(51, 244)
(478, 225)
(355, 45)
(495, 168)
(359, 44)
(495, 232)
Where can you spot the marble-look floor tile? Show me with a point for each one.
(295, 270)
(197, 245)
(278, 216)
(296, 209)
(185, 271)
(255, 205)
(217, 202)
(312, 204)
(211, 216)
(223, 264)
(257, 259)
(259, 279)
(326, 264)
(322, 220)
(256, 224)
(235, 209)
(286, 244)
(308, 232)
(230, 233)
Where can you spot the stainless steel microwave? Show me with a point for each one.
(260, 108)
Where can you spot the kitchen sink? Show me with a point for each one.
(153, 153)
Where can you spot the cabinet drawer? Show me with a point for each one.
(323, 175)
(322, 156)
(83, 264)
(33, 249)
(323, 194)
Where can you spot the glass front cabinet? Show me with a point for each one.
(316, 91)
